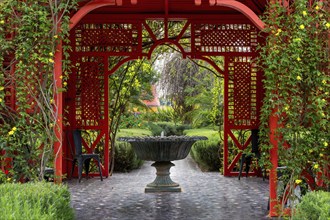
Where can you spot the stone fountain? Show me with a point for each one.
(162, 150)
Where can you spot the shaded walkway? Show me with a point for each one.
(204, 196)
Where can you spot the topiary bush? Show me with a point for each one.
(314, 205)
(125, 159)
(35, 201)
(207, 154)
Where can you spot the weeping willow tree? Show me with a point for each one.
(189, 87)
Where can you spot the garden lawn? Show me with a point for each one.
(210, 133)
(133, 132)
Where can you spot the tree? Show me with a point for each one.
(188, 85)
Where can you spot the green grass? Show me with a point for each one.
(133, 132)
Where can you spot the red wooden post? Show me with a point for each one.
(58, 150)
(273, 125)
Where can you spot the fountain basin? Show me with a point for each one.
(162, 150)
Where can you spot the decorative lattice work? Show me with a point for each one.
(225, 37)
(115, 37)
(89, 99)
(242, 92)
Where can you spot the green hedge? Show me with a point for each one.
(314, 205)
(167, 127)
(125, 158)
(35, 201)
(207, 155)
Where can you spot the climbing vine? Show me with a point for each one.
(297, 83)
(29, 34)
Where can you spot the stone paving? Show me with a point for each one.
(205, 195)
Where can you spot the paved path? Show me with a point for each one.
(205, 196)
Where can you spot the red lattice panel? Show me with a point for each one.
(225, 37)
(242, 92)
(114, 37)
(89, 98)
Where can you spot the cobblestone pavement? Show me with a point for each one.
(205, 195)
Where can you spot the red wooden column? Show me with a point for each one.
(273, 125)
(58, 150)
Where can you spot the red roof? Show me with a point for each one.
(155, 101)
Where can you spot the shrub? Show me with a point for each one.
(125, 158)
(132, 120)
(155, 129)
(35, 201)
(207, 154)
(168, 128)
(314, 205)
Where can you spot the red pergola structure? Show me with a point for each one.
(103, 29)
(104, 34)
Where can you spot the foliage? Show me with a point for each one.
(296, 64)
(35, 201)
(29, 34)
(314, 205)
(131, 120)
(126, 159)
(165, 113)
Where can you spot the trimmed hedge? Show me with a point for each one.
(314, 205)
(207, 155)
(167, 127)
(40, 200)
(125, 158)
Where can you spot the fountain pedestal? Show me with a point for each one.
(163, 150)
(163, 181)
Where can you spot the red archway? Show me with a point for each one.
(104, 28)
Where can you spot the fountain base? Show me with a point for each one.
(163, 181)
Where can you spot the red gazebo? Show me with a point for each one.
(101, 30)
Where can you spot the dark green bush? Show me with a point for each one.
(155, 129)
(207, 155)
(314, 205)
(168, 128)
(125, 158)
(35, 201)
